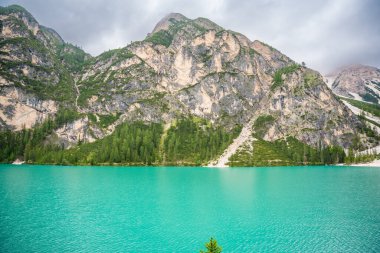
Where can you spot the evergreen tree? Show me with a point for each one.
(212, 247)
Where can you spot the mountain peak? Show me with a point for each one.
(207, 24)
(14, 8)
(165, 22)
(19, 10)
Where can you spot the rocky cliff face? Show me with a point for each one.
(183, 68)
(305, 108)
(189, 67)
(35, 66)
(358, 82)
(19, 109)
(194, 67)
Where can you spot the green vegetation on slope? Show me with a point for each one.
(363, 117)
(366, 129)
(73, 57)
(134, 143)
(263, 154)
(18, 144)
(262, 124)
(12, 9)
(161, 37)
(42, 80)
(196, 142)
(289, 151)
(104, 84)
(189, 142)
(371, 108)
(310, 79)
(277, 78)
(88, 89)
(26, 44)
(370, 96)
(117, 55)
(353, 158)
(103, 120)
(49, 77)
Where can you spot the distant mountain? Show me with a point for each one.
(358, 82)
(191, 92)
(358, 87)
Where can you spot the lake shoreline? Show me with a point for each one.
(375, 163)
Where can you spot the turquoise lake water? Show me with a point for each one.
(177, 209)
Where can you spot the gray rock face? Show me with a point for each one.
(19, 109)
(35, 76)
(358, 82)
(25, 64)
(304, 107)
(222, 76)
(185, 67)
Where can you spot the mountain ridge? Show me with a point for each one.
(185, 69)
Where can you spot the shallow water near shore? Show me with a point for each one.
(177, 209)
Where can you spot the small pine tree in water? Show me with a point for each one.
(212, 247)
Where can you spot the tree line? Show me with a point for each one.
(288, 151)
(189, 141)
(17, 144)
(192, 142)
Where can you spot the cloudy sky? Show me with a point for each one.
(323, 33)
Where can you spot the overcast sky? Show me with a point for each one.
(323, 33)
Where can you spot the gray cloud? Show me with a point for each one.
(323, 33)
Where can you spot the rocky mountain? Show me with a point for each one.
(357, 82)
(358, 87)
(185, 69)
(35, 69)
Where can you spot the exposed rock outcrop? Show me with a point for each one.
(20, 110)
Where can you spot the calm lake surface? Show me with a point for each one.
(177, 209)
